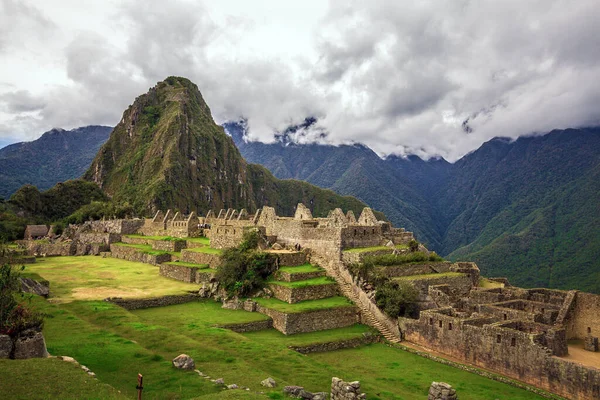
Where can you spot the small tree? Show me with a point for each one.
(14, 317)
(244, 269)
(397, 299)
(413, 245)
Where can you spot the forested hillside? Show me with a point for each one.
(527, 209)
(57, 156)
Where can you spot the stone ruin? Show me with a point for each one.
(441, 391)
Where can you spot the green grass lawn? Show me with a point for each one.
(391, 373)
(430, 276)
(322, 280)
(96, 278)
(301, 269)
(202, 240)
(187, 264)
(304, 306)
(205, 249)
(50, 378)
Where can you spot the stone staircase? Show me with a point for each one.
(347, 290)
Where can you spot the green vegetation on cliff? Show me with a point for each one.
(167, 152)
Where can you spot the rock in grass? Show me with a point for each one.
(183, 361)
(269, 382)
(232, 386)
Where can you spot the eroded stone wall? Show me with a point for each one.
(136, 304)
(133, 254)
(290, 324)
(518, 354)
(195, 257)
(295, 295)
(584, 318)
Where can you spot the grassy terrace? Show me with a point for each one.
(374, 248)
(274, 337)
(205, 249)
(29, 379)
(144, 248)
(301, 269)
(201, 240)
(304, 306)
(189, 265)
(430, 276)
(323, 280)
(96, 278)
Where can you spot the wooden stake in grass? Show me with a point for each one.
(140, 386)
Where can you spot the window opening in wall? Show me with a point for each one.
(449, 326)
(373, 231)
(440, 324)
(430, 321)
(498, 339)
(505, 317)
(542, 310)
(589, 330)
(513, 342)
(355, 232)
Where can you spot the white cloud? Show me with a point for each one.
(399, 76)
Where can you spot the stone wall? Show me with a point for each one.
(518, 354)
(341, 390)
(366, 338)
(458, 286)
(136, 304)
(297, 294)
(168, 245)
(186, 274)
(311, 321)
(249, 326)
(42, 248)
(96, 238)
(195, 257)
(118, 226)
(361, 236)
(289, 258)
(29, 344)
(584, 318)
(133, 254)
(300, 276)
(227, 235)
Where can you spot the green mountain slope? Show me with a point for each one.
(525, 209)
(167, 152)
(57, 156)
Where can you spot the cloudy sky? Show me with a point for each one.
(399, 76)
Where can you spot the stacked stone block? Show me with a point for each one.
(341, 390)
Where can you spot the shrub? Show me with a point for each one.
(397, 299)
(244, 269)
(15, 317)
(413, 245)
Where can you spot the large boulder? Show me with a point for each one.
(6, 346)
(29, 285)
(183, 361)
(30, 344)
(441, 391)
(269, 382)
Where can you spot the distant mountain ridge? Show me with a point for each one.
(57, 156)
(525, 208)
